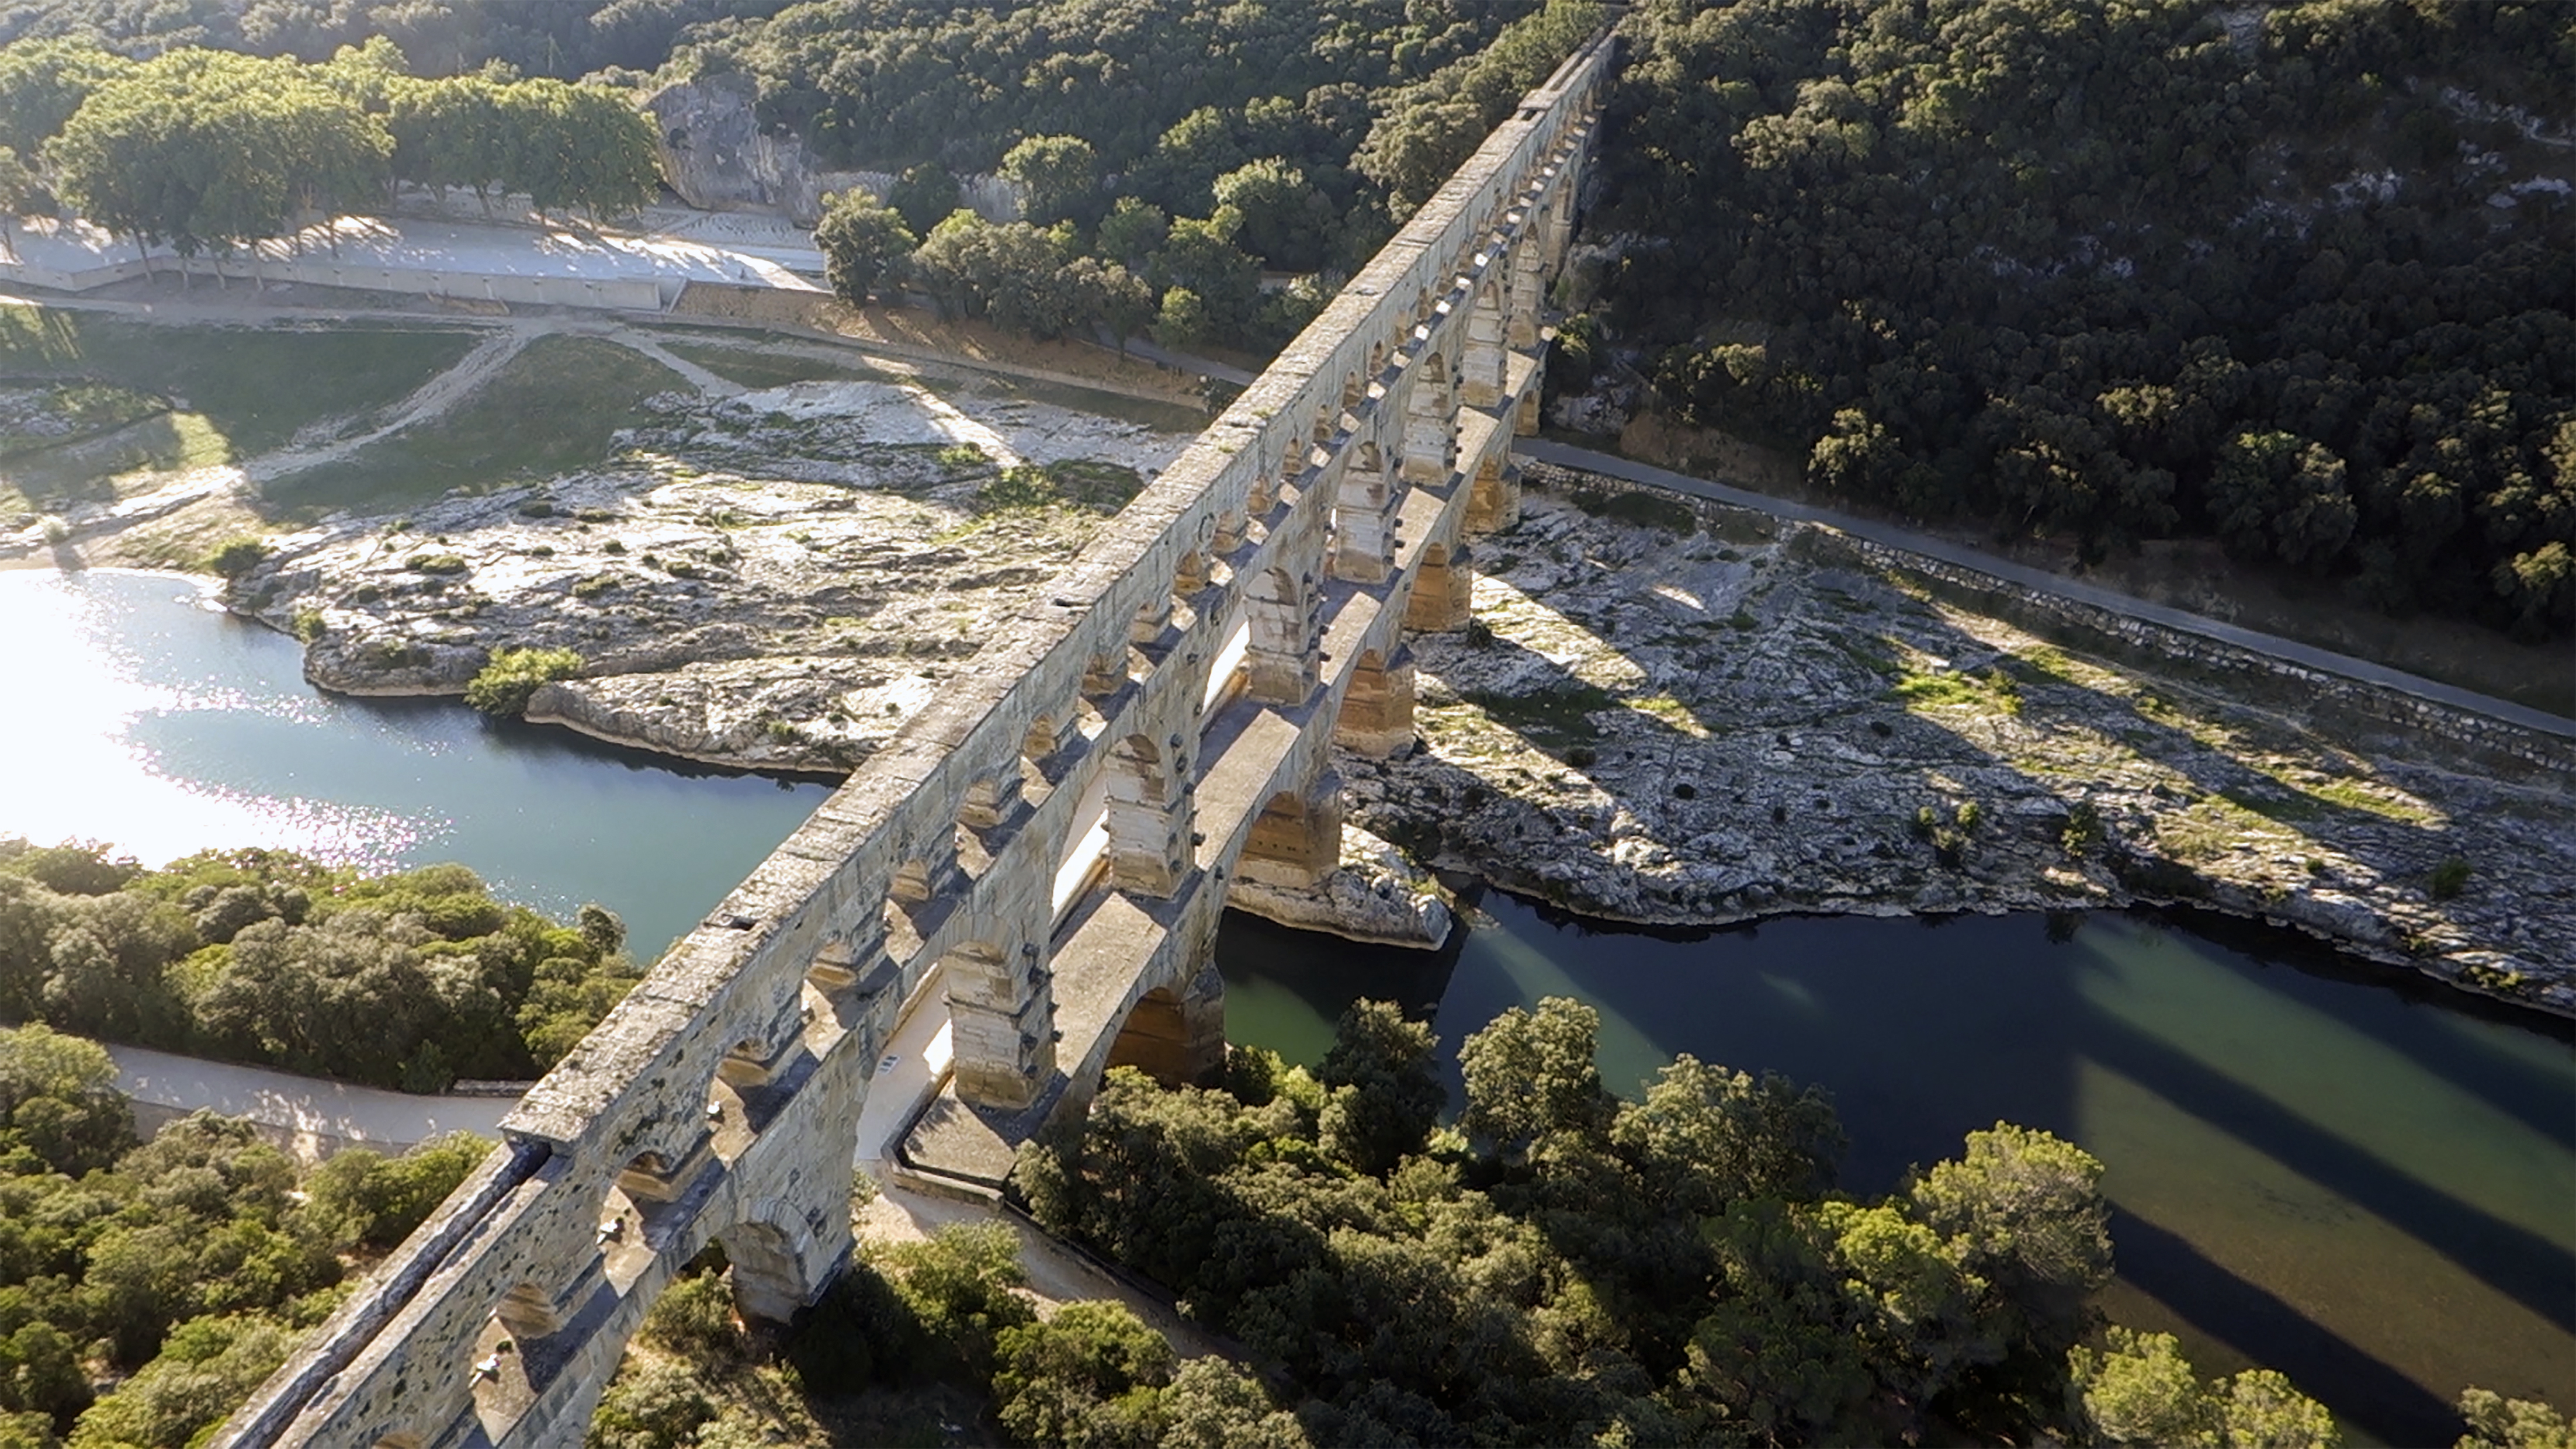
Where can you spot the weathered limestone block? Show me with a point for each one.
(1444, 586)
(1494, 500)
(1001, 1013)
(1370, 892)
(1377, 709)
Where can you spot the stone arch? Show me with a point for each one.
(991, 799)
(1047, 737)
(1280, 659)
(1354, 391)
(912, 883)
(1175, 1032)
(401, 1441)
(1377, 357)
(781, 1263)
(1323, 432)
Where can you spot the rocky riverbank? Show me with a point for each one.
(1656, 724)
(773, 581)
(1650, 722)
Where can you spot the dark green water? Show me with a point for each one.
(140, 716)
(2342, 1173)
(2351, 1175)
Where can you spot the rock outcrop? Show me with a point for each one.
(1378, 896)
(775, 581)
(717, 156)
(1665, 726)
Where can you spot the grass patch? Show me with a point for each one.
(1872, 653)
(1554, 719)
(2351, 794)
(549, 410)
(1666, 710)
(1990, 692)
(216, 394)
(2212, 826)
(1078, 484)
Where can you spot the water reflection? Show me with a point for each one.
(145, 718)
(2347, 1173)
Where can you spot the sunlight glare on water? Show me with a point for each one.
(82, 765)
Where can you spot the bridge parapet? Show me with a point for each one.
(1043, 849)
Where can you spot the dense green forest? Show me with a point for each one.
(146, 1290)
(563, 39)
(2296, 276)
(408, 980)
(1179, 237)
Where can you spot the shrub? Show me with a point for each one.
(308, 624)
(2083, 829)
(513, 676)
(594, 586)
(695, 1320)
(2450, 877)
(439, 563)
(237, 557)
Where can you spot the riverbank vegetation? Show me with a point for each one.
(408, 980)
(145, 1290)
(2299, 277)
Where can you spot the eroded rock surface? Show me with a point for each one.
(775, 581)
(1379, 895)
(1673, 727)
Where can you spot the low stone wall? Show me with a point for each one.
(633, 294)
(2332, 699)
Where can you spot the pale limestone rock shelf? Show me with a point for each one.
(1378, 896)
(1688, 729)
(771, 582)
(1661, 727)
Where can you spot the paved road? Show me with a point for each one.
(311, 1109)
(2045, 582)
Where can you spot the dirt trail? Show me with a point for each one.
(429, 400)
(696, 376)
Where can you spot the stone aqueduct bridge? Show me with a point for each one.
(1049, 842)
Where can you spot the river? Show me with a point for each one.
(2349, 1174)
(143, 716)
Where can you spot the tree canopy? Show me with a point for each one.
(1567, 1267)
(2298, 278)
(186, 1267)
(406, 980)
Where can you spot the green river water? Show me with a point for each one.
(2345, 1173)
